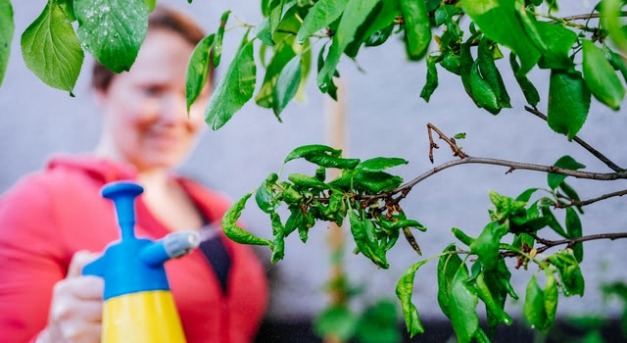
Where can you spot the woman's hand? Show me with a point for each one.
(76, 308)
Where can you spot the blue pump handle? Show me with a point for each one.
(123, 195)
(121, 267)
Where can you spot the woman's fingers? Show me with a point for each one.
(76, 308)
(79, 260)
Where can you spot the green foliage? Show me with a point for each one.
(51, 49)
(376, 223)
(235, 89)
(376, 324)
(466, 38)
(569, 102)
(198, 69)
(6, 35)
(112, 30)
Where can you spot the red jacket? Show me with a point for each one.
(48, 216)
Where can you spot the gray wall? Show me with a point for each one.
(385, 117)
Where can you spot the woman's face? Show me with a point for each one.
(146, 120)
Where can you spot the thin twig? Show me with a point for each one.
(457, 151)
(589, 16)
(579, 203)
(547, 244)
(505, 163)
(581, 142)
(521, 166)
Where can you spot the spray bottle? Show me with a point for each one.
(138, 305)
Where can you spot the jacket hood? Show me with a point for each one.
(96, 167)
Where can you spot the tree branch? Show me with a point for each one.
(457, 151)
(581, 142)
(588, 16)
(516, 165)
(570, 242)
(591, 201)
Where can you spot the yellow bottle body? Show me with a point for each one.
(142, 317)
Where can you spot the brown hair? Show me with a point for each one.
(161, 18)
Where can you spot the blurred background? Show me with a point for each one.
(384, 116)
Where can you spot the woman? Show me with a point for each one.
(52, 222)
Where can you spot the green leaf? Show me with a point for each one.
(380, 36)
(234, 89)
(272, 11)
(295, 220)
(451, 62)
(336, 321)
(497, 19)
(377, 27)
(463, 303)
(235, 232)
(321, 14)
(611, 21)
(150, 4)
(333, 162)
(217, 45)
(482, 92)
(558, 41)
(404, 292)
(493, 287)
(375, 182)
(363, 233)
(618, 62)
(494, 305)
(51, 49)
(403, 223)
(264, 194)
(355, 14)
(307, 151)
(305, 68)
(7, 28)
(490, 73)
(462, 236)
(541, 305)
(283, 53)
(552, 221)
(444, 13)
(307, 181)
(380, 163)
(566, 162)
(278, 248)
(432, 79)
(287, 84)
(448, 265)
(572, 279)
(600, 76)
(534, 304)
(570, 193)
(526, 195)
(486, 246)
(569, 102)
(198, 69)
(574, 230)
(378, 323)
(417, 28)
(551, 297)
(112, 30)
(529, 90)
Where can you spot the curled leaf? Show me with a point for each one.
(235, 232)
